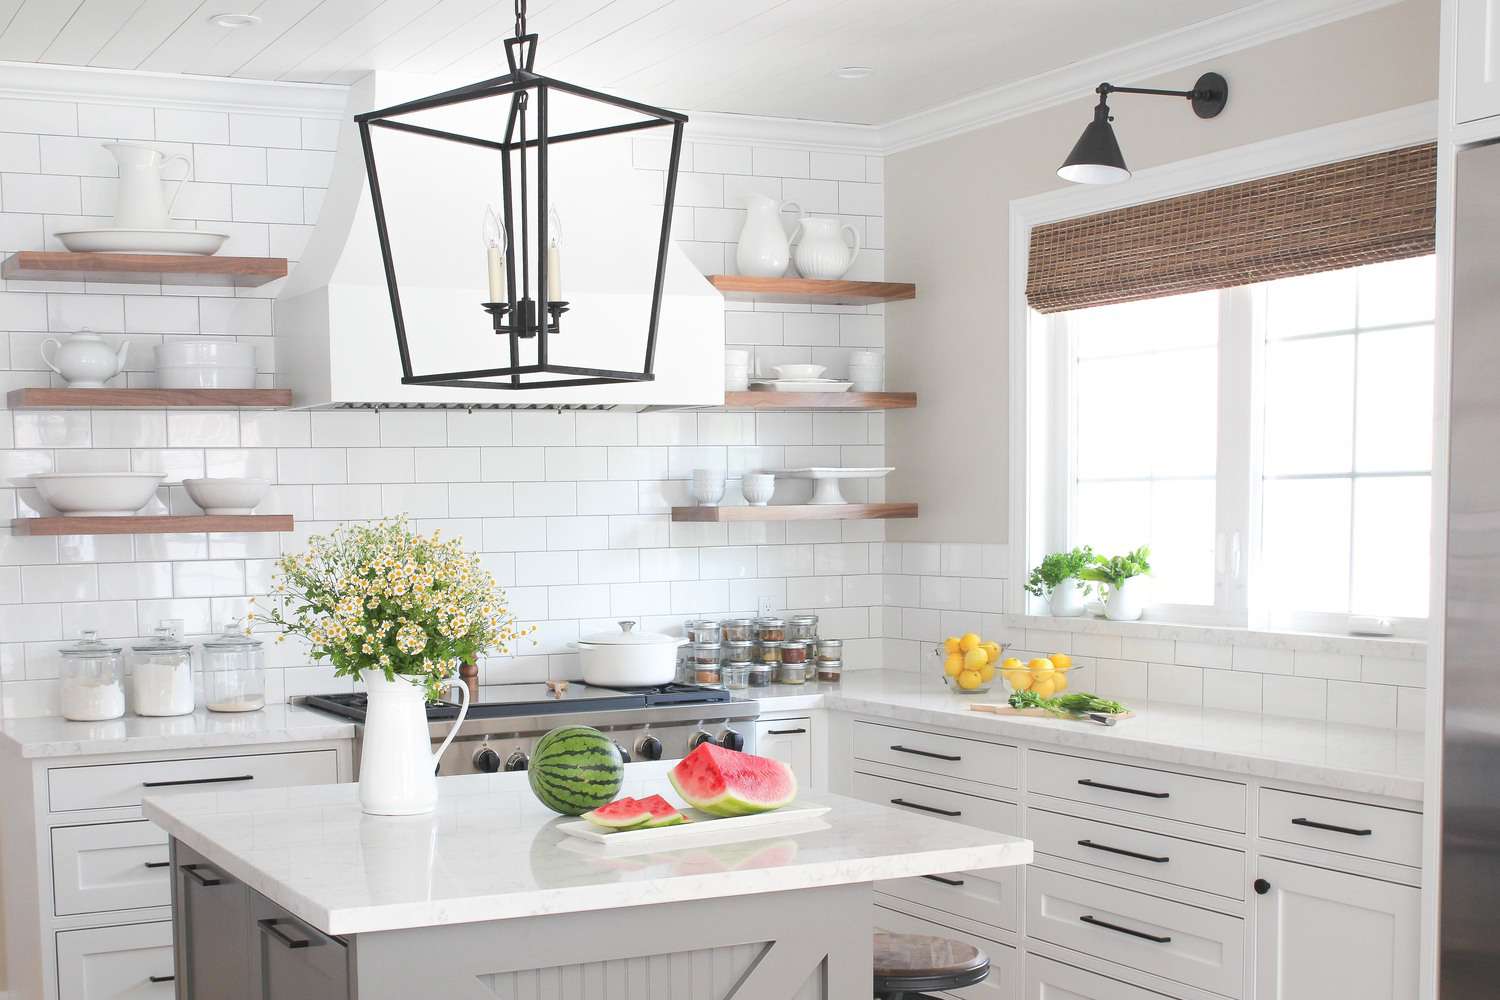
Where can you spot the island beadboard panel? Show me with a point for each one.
(570, 510)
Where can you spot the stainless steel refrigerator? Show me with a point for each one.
(1469, 916)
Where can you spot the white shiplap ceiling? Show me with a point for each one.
(757, 57)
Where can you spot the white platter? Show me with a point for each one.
(174, 242)
(800, 384)
(826, 480)
(700, 829)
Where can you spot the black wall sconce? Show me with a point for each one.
(1096, 157)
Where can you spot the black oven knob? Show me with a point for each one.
(699, 738)
(649, 748)
(624, 754)
(731, 740)
(517, 761)
(486, 760)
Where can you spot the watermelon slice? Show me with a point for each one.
(724, 782)
(663, 813)
(621, 814)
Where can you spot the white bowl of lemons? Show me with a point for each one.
(1045, 675)
(970, 663)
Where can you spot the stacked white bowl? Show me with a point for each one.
(708, 486)
(736, 371)
(867, 371)
(196, 363)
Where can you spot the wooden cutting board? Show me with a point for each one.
(1041, 713)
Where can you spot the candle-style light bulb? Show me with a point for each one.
(554, 255)
(494, 254)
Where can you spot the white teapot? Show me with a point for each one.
(84, 360)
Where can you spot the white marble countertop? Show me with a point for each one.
(492, 852)
(1331, 755)
(53, 736)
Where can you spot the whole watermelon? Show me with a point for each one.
(575, 769)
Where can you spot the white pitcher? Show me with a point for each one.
(822, 252)
(141, 201)
(764, 251)
(397, 766)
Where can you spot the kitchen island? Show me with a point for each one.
(294, 893)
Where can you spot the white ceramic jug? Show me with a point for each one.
(764, 251)
(141, 201)
(84, 360)
(822, 252)
(397, 764)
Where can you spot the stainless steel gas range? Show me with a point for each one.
(506, 721)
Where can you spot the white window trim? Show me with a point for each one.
(1032, 480)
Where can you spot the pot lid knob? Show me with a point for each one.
(626, 626)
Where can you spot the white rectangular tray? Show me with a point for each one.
(701, 828)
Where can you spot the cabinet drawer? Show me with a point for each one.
(1184, 797)
(953, 756)
(1005, 965)
(1347, 827)
(1049, 980)
(109, 866)
(960, 807)
(1173, 940)
(789, 741)
(989, 896)
(109, 786)
(129, 962)
(1187, 863)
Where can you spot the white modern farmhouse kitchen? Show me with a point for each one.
(749, 499)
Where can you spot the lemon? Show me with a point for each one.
(1059, 681)
(950, 644)
(968, 642)
(969, 680)
(1011, 663)
(1045, 686)
(992, 649)
(1019, 680)
(1039, 666)
(953, 664)
(987, 672)
(975, 658)
(1062, 661)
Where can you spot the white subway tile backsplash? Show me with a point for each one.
(229, 164)
(1170, 682)
(1362, 704)
(1295, 697)
(298, 167)
(1232, 690)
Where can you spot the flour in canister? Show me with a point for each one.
(92, 700)
(163, 686)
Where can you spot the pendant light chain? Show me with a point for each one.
(520, 18)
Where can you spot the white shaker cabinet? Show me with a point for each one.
(789, 741)
(1325, 934)
(1476, 76)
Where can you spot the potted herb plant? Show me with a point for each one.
(1124, 600)
(1058, 581)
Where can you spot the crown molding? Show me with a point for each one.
(797, 133)
(48, 82)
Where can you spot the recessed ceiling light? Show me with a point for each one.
(233, 20)
(853, 72)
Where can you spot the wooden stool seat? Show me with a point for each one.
(910, 963)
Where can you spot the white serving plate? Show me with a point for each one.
(800, 384)
(701, 828)
(826, 479)
(176, 242)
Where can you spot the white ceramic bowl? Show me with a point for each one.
(229, 495)
(758, 488)
(217, 353)
(204, 377)
(799, 371)
(96, 494)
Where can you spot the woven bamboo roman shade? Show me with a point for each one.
(1362, 211)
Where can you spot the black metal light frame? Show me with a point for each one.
(517, 318)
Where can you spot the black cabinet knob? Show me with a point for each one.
(1262, 887)
(732, 740)
(649, 748)
(517, 761)
(624, 754)
(486, 760)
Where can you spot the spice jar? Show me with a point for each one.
(737, 629)
(736, 676)
(830, 649)
(803, 627)
(794, 651)
(770, 629)
(830, 671)
(768, 652)
(706, 661)
(739, 651)
(162, 678)
(93, 680)
(701, 629)
(760, 675)
(234, 674)
(792, 673)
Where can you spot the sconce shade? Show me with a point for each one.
(1096, 157)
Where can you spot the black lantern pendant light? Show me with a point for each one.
(525, 307)
(1096, 157)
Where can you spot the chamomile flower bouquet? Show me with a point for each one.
(380, 597)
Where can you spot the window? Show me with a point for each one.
(1272, 443)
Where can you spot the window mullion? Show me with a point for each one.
(1234, 502)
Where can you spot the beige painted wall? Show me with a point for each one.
(946, 229)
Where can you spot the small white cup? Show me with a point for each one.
(736, 357)
(736, 378)
(758, 488)
(867, 378)
(708, 486)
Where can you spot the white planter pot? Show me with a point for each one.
(1066, 600)
(1126, 602)
(396, 763)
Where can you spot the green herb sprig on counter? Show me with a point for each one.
(1076, 703)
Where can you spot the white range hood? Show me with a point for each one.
(336, 343)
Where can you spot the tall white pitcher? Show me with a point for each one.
(397, 766)
(763, 250)
(142, 201)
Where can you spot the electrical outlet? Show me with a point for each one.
(765, 606)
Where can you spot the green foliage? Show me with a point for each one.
(1057, 567)
(1117, 569)
(1076, 703)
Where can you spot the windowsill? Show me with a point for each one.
(1221, 635)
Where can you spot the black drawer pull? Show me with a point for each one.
(930, 809)
(1329, 826)
(1158, 938)
(951, 758)
(1121, 788)
(946, 881)
(201, 878)
(269, 926)
(1121, 851)
(158, 864)
(784, 732)
(160, 979)
(197, 781)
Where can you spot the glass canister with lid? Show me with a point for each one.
(161, 680)
(803, 628)
(93, 680)
(770, 629)
(234, 671)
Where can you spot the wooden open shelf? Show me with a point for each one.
(797, 512)
(150, 524)
(842, 293)
(753, 400)
(147, 399)
(171, 269)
